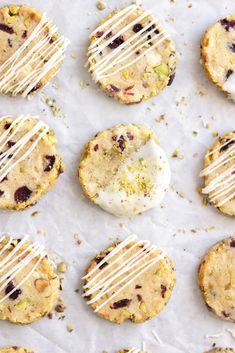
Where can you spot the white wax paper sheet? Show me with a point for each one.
(181, 225)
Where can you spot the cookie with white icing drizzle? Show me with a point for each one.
(218, 54)
(130, 56)
(216, 279)
(130, 280)
(15, 349)
(221, 350)
(29, 285)
(29, 161)
(31, 50)
(131, 350)
(124, 170)
(219, 174)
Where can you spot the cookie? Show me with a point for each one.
(221, 350)
(218, 54)
(219, 174)
(130, 280)
(124, 170)
(31, 50)
(29, 285)
(132, 350)
(217, 279)
(15, 349)
(29, 161)
(130, 56)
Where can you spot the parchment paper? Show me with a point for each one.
(64, 212)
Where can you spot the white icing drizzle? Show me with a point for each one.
(124, 53)
(52, 52)
(156, 336)
(134, 350)
(131, 267)
(17, 260)
(223, 185)
(9, 159)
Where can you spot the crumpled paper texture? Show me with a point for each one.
(64, 212)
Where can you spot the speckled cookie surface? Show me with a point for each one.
(17, 23)
(33, 176)
(134, 61)
(219, 164)
(137, 295)
(124, 170)
(218, 54)
(131, 350)
(37, 295)
(15, 349)
(217, 279)
(221, 350)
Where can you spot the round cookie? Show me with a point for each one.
(29, 161)
(130, 56)
(130, 280)
(216, 279)
(15, 349)
(31, 50)
(132, 350)
(29, 285)
(124, 170)
(219, 174)
(218, 54)
(221, 350)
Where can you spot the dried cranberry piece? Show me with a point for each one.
(22, 194)
(114, 138)
(10, 143)
(118, 41)
(99, 34)
(152, 27)
(98, 260)
(51, 160)
(138, 286)
(36, 87)
(172, 77)
(227, 24)
(7, 125)
(5, 178)
(224, 148)
(24, 34)
(96, 147)
(6, 28)
(163, 291)
(9, 288)
(114, 89)
(229, 73)
(232, 47)
(225, 313)
(1, 193)
(232, 244)
(9, 41)
(137, 27)
(121, 304)
(139, 297)
(121, 143)
(130, 136)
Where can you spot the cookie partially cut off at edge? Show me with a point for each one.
(37, 295)
(140, 300)
(216, 279)
(131, 350)
(135, 77)
(17, 23)
(221, 350)
(218, 54)
(15, 349)
(124, 170)
(28, 180)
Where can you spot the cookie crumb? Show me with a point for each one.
(62, 267)
(101, 5)
(69, 328)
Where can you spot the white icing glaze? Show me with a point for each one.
(19, 64)
(124, 55)
(149, 165)
(134, 350)
(222, 185)
(121, 276)
(229, 86)
(17, 260)
(9, 159)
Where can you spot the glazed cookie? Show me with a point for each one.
(130, 56)
(29, 285)
(31, 50)
(131, 280)
(217, 279)
(221, 350)
(29, 161)
(132, 350)
(218, 54)
(15, 349)
(124, 170)
(219, 174)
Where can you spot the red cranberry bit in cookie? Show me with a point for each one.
(231, 47)
(96, 147)
(163, 291)
(139, 297)
(1, 193)
(130, 136)
(6, 28)
(137, 27)
(9, 288)
(121, 143)
(25, 34)
(227, 24)
(9, 41)
(114, 89)
(121, 304)
(98, 260)
(51, 160)
(22, 194)
(229, 73)
(232, 244)
(138, 286)
(115, 44)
